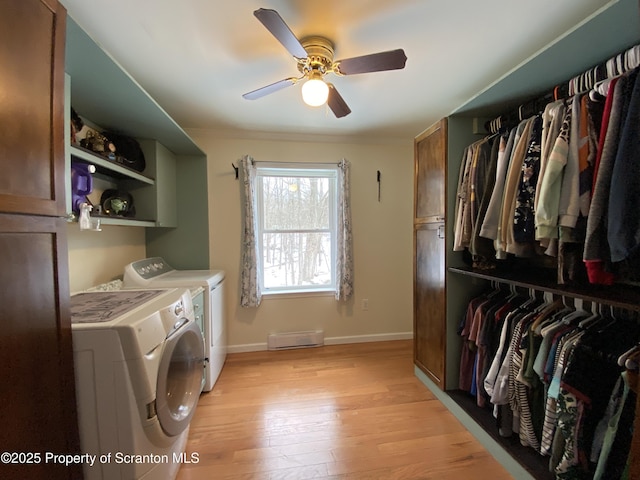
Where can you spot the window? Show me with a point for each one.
(296, 227)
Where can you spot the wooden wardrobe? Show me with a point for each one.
(36, 355)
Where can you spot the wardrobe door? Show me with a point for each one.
(32, 35)
(37, 386)
(429, 301)
(429, 252)
(36, 354)
(430, 167)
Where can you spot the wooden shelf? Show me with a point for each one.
(108, 168)
(124, 221)
(619, 295)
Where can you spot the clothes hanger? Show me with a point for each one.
(612, 70)
(578, 313)
(552, 320)
(532, 300)
(634, 61)
(620, 63)
(602, 87)
(622, 359)
(513, 293)
(596, 315)
(633, 361)
(546, 310)
(609, 320)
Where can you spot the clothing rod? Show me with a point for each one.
(617, 65)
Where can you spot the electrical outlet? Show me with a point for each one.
(365, 304)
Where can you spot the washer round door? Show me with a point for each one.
(180, 378)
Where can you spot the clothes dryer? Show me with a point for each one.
(155, 272)
(139, 358)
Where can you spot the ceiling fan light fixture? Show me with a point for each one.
(314, 91)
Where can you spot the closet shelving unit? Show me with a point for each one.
(110, 174)
(173, 185)
(626, 296)
(106, 167)
(611, 30)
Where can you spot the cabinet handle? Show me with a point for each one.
(439, 219)
(441, 231)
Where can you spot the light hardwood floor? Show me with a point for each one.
(335, 412)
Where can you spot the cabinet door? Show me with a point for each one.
(430, 164)
(32, 34)
(429, 301)
(36, 355)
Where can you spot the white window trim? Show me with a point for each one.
(303, 170)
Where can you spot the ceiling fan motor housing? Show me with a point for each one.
(319, 55)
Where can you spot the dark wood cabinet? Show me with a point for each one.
(37, 390)
(429, 302)
(32, 35)
(36, 355)
(430, 168)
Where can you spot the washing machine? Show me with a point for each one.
(139, 360)
(155, 272)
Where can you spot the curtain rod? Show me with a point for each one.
(299, 163)
(236, 169)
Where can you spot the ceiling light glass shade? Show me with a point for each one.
(315, 92)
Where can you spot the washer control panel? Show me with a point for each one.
(151, 267)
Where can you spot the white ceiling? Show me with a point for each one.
(197, 57)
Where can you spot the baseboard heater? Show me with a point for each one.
(283, 341)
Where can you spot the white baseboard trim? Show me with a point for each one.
(247, 347)
(378, 337)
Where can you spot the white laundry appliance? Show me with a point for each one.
(155, 272)
(139, 358)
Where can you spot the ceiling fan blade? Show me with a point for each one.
(336, 103)
(375, 62)
(279, 29)
(274, 87)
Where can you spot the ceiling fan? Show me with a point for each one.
(314, 55)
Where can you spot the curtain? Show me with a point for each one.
(344, 254)
(250, 295)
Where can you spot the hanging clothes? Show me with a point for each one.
(481, 248)
(463, 228)
(623, 227)
(512, 181)
(552, 120)
(596, 252)
(548, 210)
(546, 188)
(489, 228)
(549, 375)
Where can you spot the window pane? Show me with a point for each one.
(295, 203)
(296, 259)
